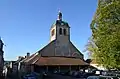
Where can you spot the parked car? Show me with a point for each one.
(32, 75)
(71, 73)
(85, 75)
(77, 74)
(29, 76)
(118, 75)
(63, 73)
(110, 77)
(95, 77)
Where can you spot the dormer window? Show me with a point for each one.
(53, 31)
(64, 30)
(60, 31)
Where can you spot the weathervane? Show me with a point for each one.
(59, 15)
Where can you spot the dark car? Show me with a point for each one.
(95, 77)
(78, 74)
(29, 76)
(85, 75)
(32, 75)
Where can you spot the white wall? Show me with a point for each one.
(98, 67)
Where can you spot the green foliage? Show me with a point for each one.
(105, 41)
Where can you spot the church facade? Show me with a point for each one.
(60, 54)
(60, 44)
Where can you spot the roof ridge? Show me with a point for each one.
(32, 57)
(36, 60)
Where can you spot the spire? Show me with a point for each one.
(59, 15)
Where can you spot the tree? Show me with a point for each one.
(105, 40)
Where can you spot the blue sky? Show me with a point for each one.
(25, 24)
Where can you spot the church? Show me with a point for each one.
(60, 44)
(60, 54)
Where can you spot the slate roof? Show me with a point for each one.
(36, 59)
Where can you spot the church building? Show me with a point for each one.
(60, 54)
(60, 44)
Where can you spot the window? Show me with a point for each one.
(53, 32)
(64, 31)
(60, 31)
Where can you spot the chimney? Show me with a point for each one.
(28, 54)
(20, 57)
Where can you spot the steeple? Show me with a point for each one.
(59, 15)
(60, 30)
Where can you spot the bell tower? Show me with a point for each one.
(60, 33)
(60, 30)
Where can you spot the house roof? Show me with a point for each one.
(31, 59)
(59, 61)
(53, 60)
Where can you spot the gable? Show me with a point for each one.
(75, 52)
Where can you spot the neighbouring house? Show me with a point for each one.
(94, 64)
(59, 55)
(21, 65)
(16, 63)
(1, 57)
(11, 67)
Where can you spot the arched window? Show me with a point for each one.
(64, 31)
(53, 31)
(60, 31)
